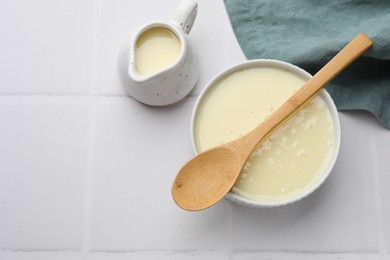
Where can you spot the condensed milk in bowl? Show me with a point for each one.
(292, 161)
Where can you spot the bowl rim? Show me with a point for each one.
(322, 93)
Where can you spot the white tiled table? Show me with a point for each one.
(85, 170)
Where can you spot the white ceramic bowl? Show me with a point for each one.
(325, 97)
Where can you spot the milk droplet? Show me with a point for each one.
(221, 141)
(271, 161)
(301, 152)
(294, 144)
(293, 130)
(309, 123)
(247, 166)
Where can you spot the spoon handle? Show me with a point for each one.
(338, 63)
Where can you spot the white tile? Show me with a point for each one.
(167, 255)
(382, 143)
(43, 149)
(20, 255)
(121, 19)
(152, 255)
(309, 256)
(234, 53)
(159, 256)
(139, 149)
(339, 217)
(46, 46)
(210, 41)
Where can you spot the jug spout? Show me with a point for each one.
(133, 73)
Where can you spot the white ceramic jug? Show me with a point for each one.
(171, 83)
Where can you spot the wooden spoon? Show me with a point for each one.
(206, 179)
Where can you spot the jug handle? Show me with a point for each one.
(185, 15)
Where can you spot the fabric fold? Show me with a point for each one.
(309, 33)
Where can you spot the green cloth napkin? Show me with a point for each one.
(308, 33)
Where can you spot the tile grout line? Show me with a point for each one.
(377, 192)
(89, 179)
(86, 239)
(4, 254)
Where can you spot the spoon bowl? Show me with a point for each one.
(201, 186)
